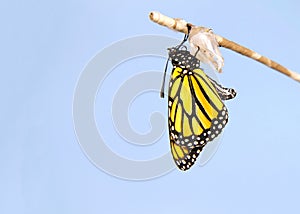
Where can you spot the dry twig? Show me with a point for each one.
(180, 25)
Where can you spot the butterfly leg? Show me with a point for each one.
(198, 49)
(186, 36)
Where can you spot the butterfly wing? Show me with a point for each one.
(197, 114)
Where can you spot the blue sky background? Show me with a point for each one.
(44, 48)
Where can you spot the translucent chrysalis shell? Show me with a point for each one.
(204, 43)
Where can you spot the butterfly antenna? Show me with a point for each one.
(162, 94)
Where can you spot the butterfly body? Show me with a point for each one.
(197, 113)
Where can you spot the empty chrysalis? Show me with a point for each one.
(204, 43)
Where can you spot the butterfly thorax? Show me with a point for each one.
(183, 59)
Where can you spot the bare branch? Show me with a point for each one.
(180, 25)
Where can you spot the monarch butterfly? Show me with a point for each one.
(196, 111)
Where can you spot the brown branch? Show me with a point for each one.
(180, 25)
